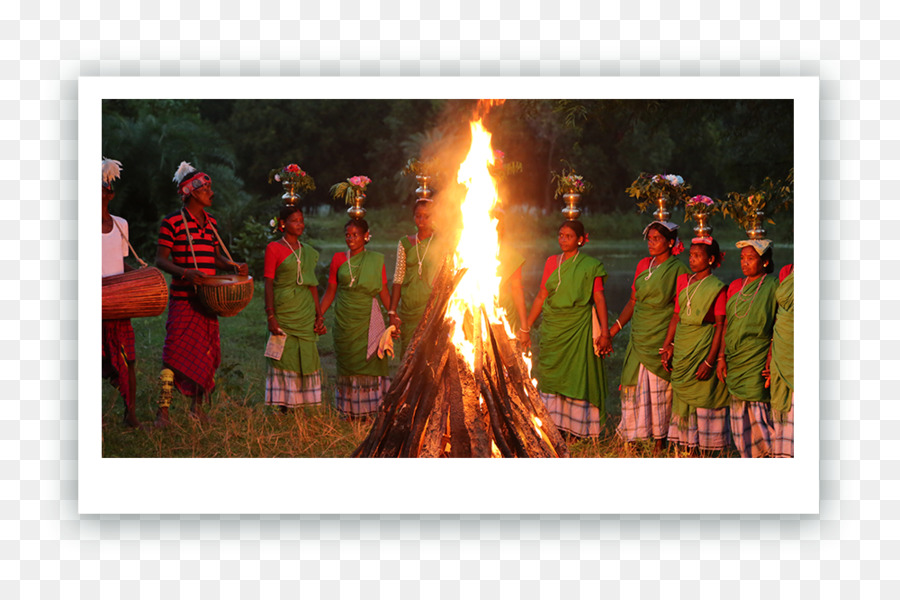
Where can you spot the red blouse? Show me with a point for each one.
(340, 258)
(717, 308)
(553, 262)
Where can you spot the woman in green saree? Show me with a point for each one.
(292, 310)
(781, 369)
(699, 401)
(569, 370)
(646, 391)
(358, 280)
(417, 265)
(512, 296)
(749, 319)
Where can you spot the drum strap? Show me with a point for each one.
(125, 237)
(187, 232)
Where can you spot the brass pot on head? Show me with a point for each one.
(756, 231)
(702, 228)
(356, 211)
(571, 212)
(662, 212)
(423, 192)
(290, 197)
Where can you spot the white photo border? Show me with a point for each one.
(451, 486)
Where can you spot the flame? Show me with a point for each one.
(478, 248)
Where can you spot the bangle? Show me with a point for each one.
(619, 324)
(707, 363)
(525, 330)
(270, 317)
(392, 312)
(722, 357)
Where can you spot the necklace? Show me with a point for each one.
(349, 268)
(742, 297)
(559, 267)
(296, 254)
(650, 269)
(419, 259)
(690, 296)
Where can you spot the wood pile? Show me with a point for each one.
(438, 407)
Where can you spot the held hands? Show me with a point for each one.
(319, 328)
(396, 322)
(721, 370)
(524, 339)
(665, 356)
(603, 344)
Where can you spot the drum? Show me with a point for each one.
(225, 295)
(139, 293)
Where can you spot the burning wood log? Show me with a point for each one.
(438, 406)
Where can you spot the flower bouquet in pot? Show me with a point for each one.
(353, 192)
(664, 191)
(294, 179)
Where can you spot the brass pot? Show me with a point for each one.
(423, 192)
(702, 229)
(571, 211)
(356, 211)
(756, 231)
(662, 212)
(290, 197)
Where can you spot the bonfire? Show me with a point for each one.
(463, 388)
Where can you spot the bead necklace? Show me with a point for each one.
(349, 268)
(297, 256)
(742, 297)
(650, 269)
(559, 267)
(690, 296)
(424, 254)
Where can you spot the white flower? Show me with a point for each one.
(273, 223)
(277, 177)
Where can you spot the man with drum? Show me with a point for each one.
(118, 335)
(189, 249)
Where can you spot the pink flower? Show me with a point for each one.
(702, 200)
(359, 181)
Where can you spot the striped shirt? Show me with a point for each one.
(172, 235)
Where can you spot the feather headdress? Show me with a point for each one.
(111, 170)
(184, 170)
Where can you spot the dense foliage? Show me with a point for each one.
(718, 146)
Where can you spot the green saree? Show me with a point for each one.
(567, 364)
(416, 286)
(693, 339)
(352, 309)
(510, 262)
(653, 309)
(296, 312)
(782, 365)
(749, 318)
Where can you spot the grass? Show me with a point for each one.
(244, 427)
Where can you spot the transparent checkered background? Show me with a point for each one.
(850, 550)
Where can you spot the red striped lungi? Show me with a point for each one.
(192, 347)
(118, 350)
